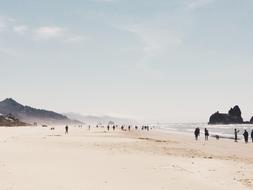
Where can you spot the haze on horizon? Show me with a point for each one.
(162, 61)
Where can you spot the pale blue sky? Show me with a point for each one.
(154, 60)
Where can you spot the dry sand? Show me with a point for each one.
(40, 159)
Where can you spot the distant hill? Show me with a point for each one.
(31, 115)
(94, 120)
(10, 120)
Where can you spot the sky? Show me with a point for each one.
(150, 60)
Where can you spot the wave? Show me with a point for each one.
(221, 130)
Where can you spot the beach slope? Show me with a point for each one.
(41, 159)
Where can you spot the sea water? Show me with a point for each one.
(221, 130)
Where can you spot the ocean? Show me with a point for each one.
(226, 131)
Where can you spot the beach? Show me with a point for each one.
(43, 159)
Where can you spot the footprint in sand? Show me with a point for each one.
(247, 182)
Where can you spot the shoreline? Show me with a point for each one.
(223, 131)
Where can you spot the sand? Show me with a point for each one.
(40, 159)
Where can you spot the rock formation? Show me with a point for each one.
(9, 121)
(234, 116)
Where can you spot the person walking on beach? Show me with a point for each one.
(66, 129)
(252, 135)
(236, 132)
(246, 136)
(206, 134)
(196, 133)
(108, 127)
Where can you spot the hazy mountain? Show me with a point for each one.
(31, 115)
(89, 119)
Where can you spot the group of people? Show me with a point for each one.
(125, 128)
(116, 126)
(206, 132)
(113, 127)
(245, 135)
(197, 133)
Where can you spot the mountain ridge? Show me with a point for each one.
(105, 119)
(31, 115)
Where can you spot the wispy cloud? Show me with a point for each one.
(57, 33)
(41, 32)
(49, 32)
(75, 39)
(196, 4)
(156, 39)
(53, 34)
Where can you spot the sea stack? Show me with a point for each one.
(234, 116)
(251, 121)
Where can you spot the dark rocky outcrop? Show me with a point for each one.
(10, 121)
(251, 121)
(31, 115)
(234, 116)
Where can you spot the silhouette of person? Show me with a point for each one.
(246, 136)
(196, 133)
(252, 135)
(206, 134)
(113, 127)
(236, 132)
(89, 127)
(108, 127)
(66, 129)
(129, 127)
